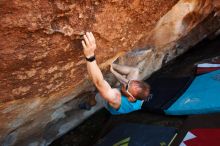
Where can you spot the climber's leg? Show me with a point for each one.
(131, 72)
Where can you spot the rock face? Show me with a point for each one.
(42, 68)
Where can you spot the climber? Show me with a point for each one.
(129, 97)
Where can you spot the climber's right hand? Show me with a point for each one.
(89, 44)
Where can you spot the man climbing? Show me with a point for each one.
(129, 97)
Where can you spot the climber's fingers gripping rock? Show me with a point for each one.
(89, 44)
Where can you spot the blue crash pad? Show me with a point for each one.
(202, 96)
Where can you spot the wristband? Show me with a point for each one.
(90, 59)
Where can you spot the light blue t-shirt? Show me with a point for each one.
(125, 107)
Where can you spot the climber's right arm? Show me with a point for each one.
(95, 73)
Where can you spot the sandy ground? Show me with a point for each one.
(100, 123)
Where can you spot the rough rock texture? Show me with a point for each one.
(42, 68)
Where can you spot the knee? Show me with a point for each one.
(134, 74)
(135, 70)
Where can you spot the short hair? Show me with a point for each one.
(142, 89)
